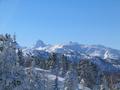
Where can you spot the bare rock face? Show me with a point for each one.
(39, 43)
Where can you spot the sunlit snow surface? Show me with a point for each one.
(51, 77)
(74, 51)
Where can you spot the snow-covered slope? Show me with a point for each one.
(74, 50)
(51, 77)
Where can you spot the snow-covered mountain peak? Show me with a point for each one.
(76, 50)
(39, 43)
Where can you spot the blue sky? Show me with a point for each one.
(59, 21)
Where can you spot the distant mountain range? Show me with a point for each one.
(74, 51)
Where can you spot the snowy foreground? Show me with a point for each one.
(50, 77)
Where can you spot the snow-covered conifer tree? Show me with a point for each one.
(71, 80)
(10, 70)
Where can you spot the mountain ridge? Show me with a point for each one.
(74, 50)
